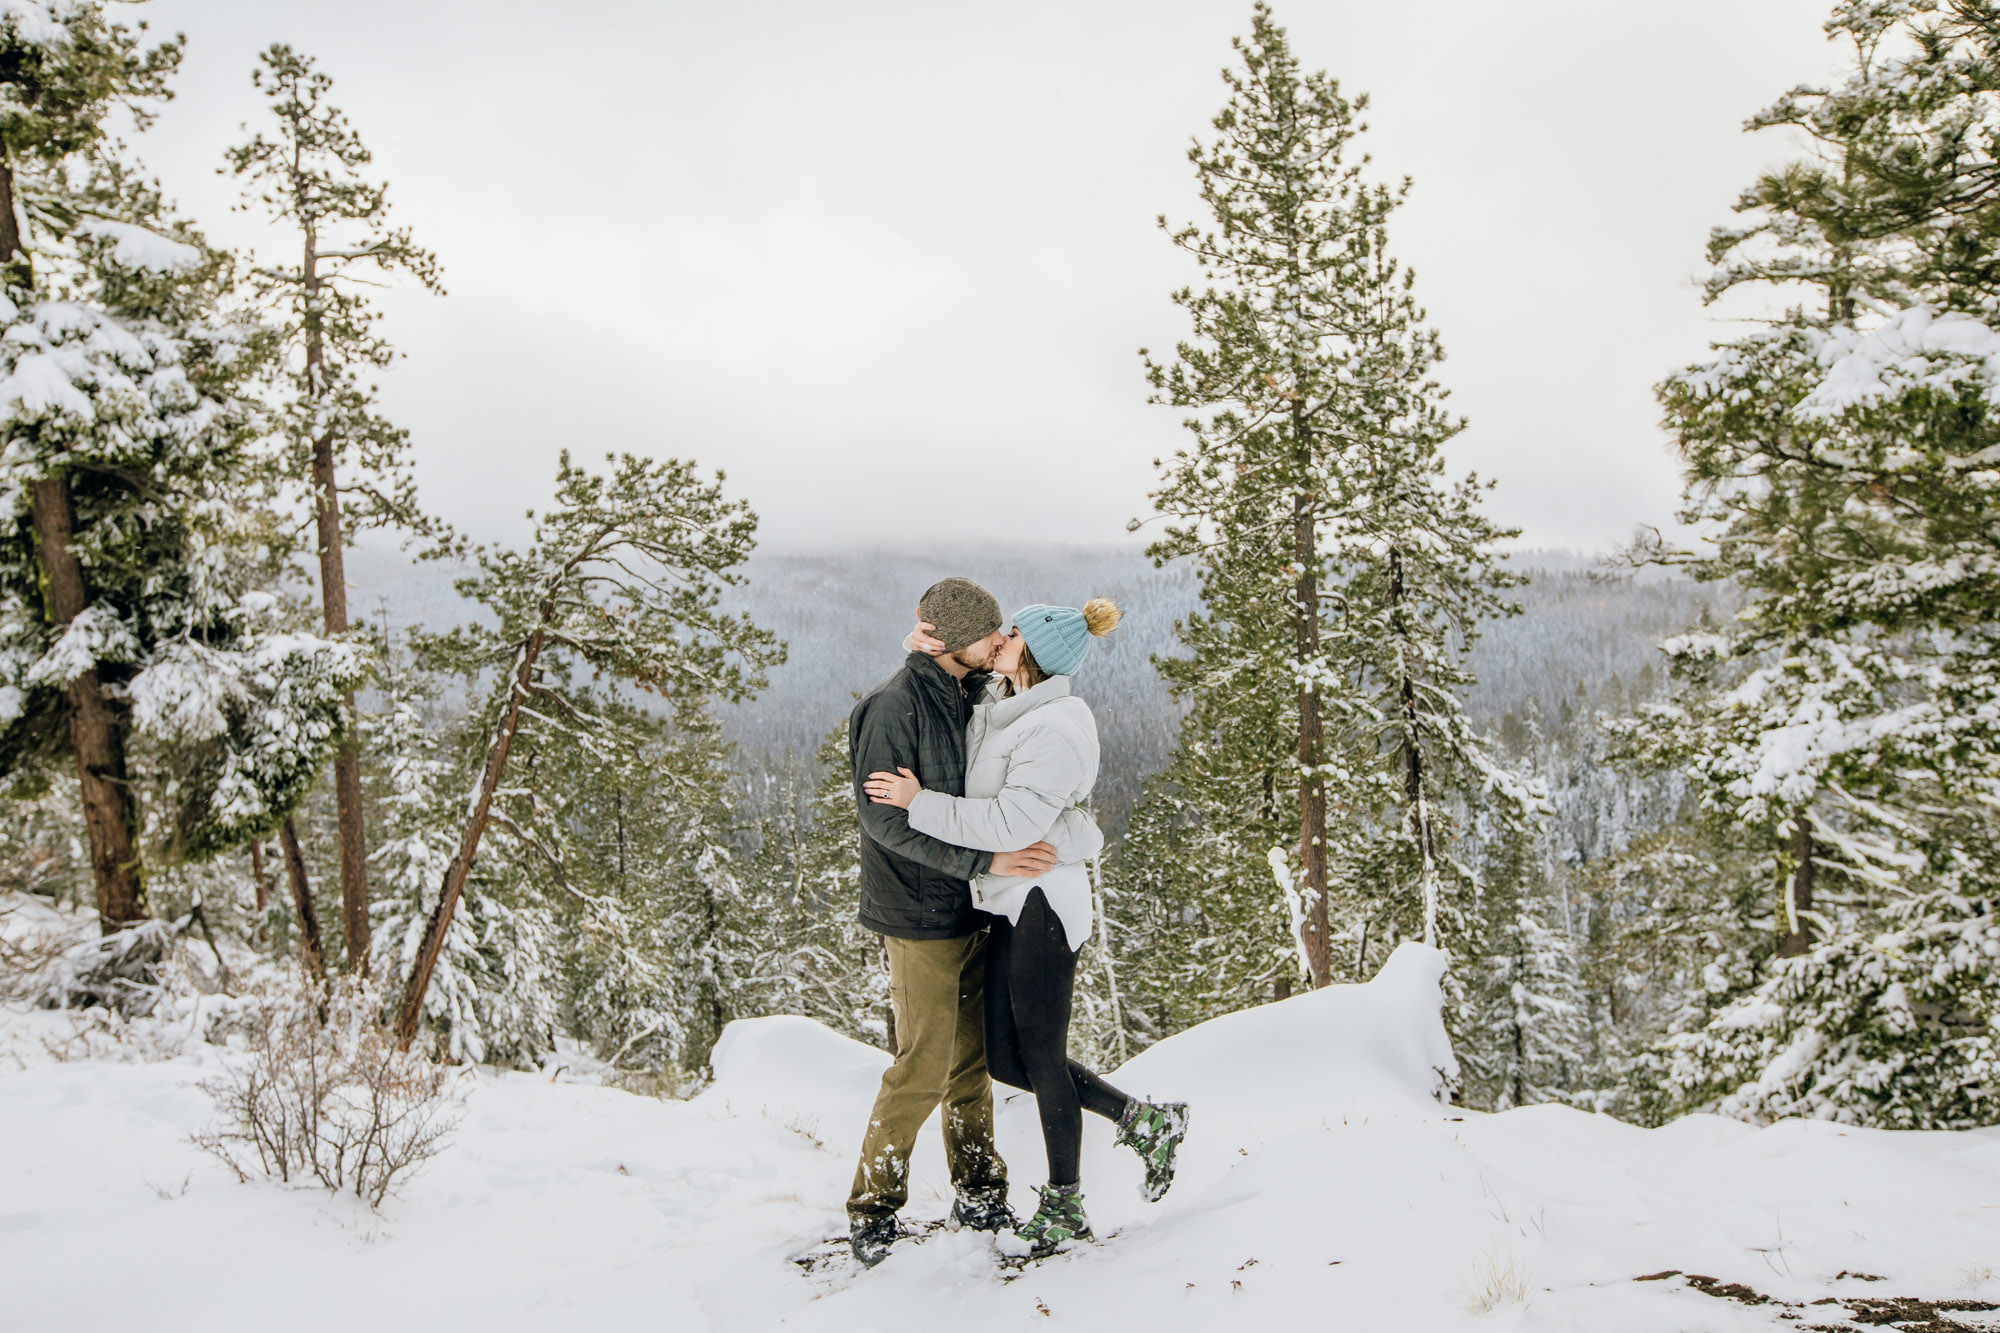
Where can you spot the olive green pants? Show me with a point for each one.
(937, 988)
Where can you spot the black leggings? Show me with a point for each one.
(1030, 979)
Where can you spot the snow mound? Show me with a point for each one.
(792, 1064)
(1369, 1049)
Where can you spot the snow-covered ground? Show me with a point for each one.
(1321, 1188)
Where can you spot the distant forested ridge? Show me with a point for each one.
(1584, 639)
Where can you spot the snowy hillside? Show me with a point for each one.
(1322, 1187)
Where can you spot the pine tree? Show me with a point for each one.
(351, 460)
(1099, 1030)
(1270, 360)
(623, 580)
(78, 67)
(1891, 1027)
(809, 869)
(630, 851)
(1522, 1038)
(1419, 573)
(1342, 579)
(611, 904)
(1838, 460)
(137, 642)
(1190, 882)
(1672, 922)
(731, 949)
(497, 993)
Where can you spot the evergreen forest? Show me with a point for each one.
(1710, 823)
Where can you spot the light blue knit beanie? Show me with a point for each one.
(1059, 636)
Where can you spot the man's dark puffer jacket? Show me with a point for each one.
(913, 886)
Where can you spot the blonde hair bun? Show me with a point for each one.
(1101, 615)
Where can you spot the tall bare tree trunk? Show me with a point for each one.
(1795, 891)
(333, 605)
(1517, 1079)
(1413, 759)
(1108, 960)
(96, 724)
(16, 272)
(311, 947)
(411, 1010)
(618, 805)
(1316, 928)
(260, 876)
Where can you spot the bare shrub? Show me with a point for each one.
(24, 964)
(321, 1094)
(94, 1034)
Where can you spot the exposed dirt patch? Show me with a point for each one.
(1903, 1312)
(1729, 1291)
(1912, 1314)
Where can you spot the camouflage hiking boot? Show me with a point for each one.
(1058, 1222)
(1155, 1131)
(871, 1237)
(982, 1210)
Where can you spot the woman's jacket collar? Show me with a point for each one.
(1006, 712)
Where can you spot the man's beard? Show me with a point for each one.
(983, 664)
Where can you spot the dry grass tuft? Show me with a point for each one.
(1496, 1280)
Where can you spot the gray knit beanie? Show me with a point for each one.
(962, 611)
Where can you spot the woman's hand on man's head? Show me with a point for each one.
(920, 640)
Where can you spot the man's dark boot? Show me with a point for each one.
(982, 1210)
(871, 1238)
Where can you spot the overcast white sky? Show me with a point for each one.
(889, 262)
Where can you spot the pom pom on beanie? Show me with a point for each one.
(1101, 615)
(1059, 636)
